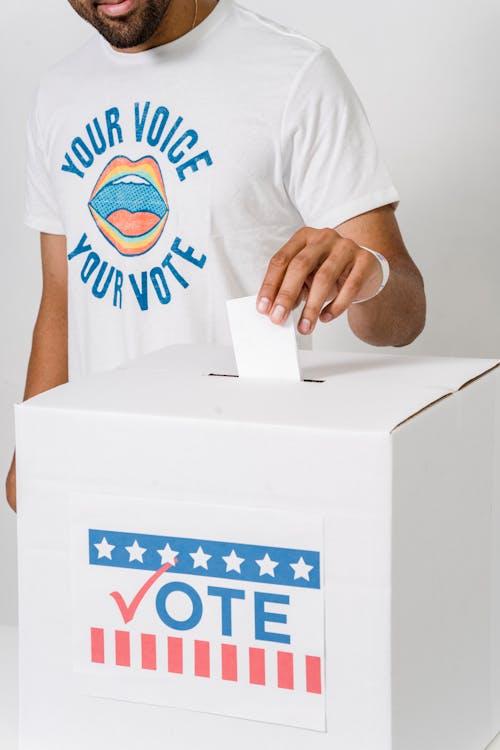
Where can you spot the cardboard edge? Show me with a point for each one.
(419, 411)
(445, 395)
(476, 377)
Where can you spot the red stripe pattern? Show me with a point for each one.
(202, 658)
(97, 645)
(122, 648)
(148, 651)
(285, 670)
(257, 666)
(174, 654)
(313, 674)
(229, 655)
(229, 658)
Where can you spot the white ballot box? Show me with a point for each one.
(207, 561)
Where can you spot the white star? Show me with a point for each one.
(233, 562)
(301, 569)
(200, 558)
(104, 548)
(167, 554)
(266, 565)
(135, 552)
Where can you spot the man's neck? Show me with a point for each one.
(178, 20)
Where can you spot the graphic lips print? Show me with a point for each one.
(129, 204)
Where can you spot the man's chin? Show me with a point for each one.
(119, 35)
(125, 24)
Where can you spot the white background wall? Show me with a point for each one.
(428, 74)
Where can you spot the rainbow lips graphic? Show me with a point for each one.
(129, 204)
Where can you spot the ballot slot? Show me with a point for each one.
(227, 375)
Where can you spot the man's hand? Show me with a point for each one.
(10, 484)
(329, 270)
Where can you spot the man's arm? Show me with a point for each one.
(329, 269)
(48, 363)
(396, 316)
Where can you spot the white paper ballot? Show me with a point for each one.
(262, 349)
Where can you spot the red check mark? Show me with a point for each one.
(128, 612)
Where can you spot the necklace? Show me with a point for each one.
(195, 14)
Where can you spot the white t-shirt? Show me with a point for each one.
(176, 173)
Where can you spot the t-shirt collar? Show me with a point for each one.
(155, 54)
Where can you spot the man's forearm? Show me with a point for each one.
(396, 316)
(47, 368)
(48, 363)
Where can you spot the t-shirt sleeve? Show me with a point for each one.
(332, 166)
(40, 208)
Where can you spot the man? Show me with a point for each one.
(190, 152)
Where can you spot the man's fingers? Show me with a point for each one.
(302, 297)
(349, 292)
(324, 287)
(277, 268)
(313, 264)
(363, 281)
(298, 271)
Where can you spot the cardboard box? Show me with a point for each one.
(211, 562)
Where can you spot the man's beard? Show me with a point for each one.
(130, 30)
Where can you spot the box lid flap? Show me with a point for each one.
(372, 392)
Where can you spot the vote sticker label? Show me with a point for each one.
(212, 608)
